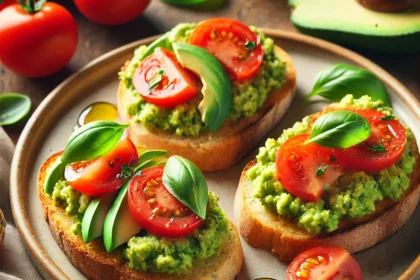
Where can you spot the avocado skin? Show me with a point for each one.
(404, 43)
(409, 43)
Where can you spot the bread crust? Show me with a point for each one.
(227, 146)
(263, 229)
(93, 260)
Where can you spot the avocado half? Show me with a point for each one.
(349, 23)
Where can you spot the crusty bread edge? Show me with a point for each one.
(263, 229)
(92, 259)
(226, 147)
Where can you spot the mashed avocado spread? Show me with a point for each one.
(146, 252)
(185, 119)
(354, 195)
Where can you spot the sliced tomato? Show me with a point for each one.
(381, 150)
(156, 209)
(237, 48)
(324, 263)
(103, 174)
(305, 170)
(162, 81)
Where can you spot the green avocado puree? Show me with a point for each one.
(185, 119)
(354, 195)
(146, 252)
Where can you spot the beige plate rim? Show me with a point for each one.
(17, 185)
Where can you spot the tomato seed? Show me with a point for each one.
(302, 274)
(224, 33)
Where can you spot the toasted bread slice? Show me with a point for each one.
(264, 229)
(92, 259)
(224, 148)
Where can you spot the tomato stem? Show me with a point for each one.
(32, 6)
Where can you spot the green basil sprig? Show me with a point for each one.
(337, 81)
(92, 140)
(13, 108)
(340, 129)
(186, 182)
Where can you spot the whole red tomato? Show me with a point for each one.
(37, 43)
(111, 12)
(5, 3)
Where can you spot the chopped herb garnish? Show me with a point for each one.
(126, 171)
(332, 158)
(321, 169)
(388, 118)
(250, 45)
(156, 79)
(327, 187)
(378, 148)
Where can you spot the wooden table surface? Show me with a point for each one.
(95, 40)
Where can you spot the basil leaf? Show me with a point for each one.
(13, 108)
(337, 81)
(321, 170)
(185, 181)
(388, 118)
(92, 140)
(378, 148)
(339, 129)
(250, 45)
(199, 4)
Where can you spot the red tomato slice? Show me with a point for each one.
(324, 263)
(162, 81)
(305, 170)
(368, 156)
(103, 174)
(227, 39)
(156, 209)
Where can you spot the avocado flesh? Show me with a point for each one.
(54, 174)
(119, 225)
(94, 217)
(217, 88)
(349, 23)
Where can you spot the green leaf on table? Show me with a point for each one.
(13, 108)
(92, 140)
(340, 129)
(338, 80)
(199, 4)
(186, 182)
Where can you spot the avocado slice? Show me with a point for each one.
(54, 174)
(217, 88)
(349, 23)
(161, 42)
(119, 225)
(93, 219)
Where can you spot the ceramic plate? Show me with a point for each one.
(53, 122)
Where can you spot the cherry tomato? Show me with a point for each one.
(381, 150)
(6, 3)
(162, 81)
(111, 12)
(156, 209)
(233, 43)
(305, 170)
(38, 44)
(324, 263)
(103, 174)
